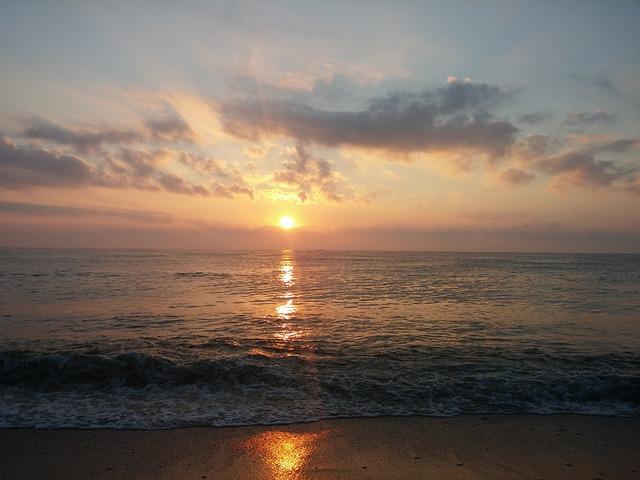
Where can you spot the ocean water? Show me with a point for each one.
(157, 339)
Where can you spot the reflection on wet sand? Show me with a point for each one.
(284, 454)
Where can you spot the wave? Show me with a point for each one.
(58, 370)
(141, 390)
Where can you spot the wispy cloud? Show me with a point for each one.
(85, 140)
(586, 119)
(39, 209)
(601, 83)
(514, 176)
(535, 118)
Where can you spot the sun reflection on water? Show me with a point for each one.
(288, 328)
(287, 278)
(286, 273)
(286, 310)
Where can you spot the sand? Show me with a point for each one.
(465, 447)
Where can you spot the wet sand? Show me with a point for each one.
(464, 447)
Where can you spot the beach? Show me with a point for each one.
(462, 447)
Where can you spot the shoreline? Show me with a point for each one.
(496, 446)
(301, 423)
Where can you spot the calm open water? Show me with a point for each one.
(156, 339)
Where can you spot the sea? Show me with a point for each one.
(153, 339)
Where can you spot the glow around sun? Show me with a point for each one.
(287, 222)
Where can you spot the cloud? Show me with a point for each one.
(614, 146)
(452, 117)
(534, 118)
(171, 129)
(582, 168)
(307, 174)
(84, 140)
(514, 176)
(38, 209)
(606, 85)
(585, 119)
(601, 83)
(533, 146)
(207, 166)
(143, 163)
(143, 169)
(28, 166)
(175, 184)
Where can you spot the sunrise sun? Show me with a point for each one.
(286, 222)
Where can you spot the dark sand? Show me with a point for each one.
(465, 447)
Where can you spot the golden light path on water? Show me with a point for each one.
(286, 311)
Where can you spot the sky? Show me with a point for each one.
(467, 126)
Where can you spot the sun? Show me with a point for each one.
(287, 222)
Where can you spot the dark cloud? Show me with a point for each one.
(583, 168)
(176, 184)
(306, 174)
(534, 118)
(586, 119)
(142, 163)
(452, 117)
(514, 176)
(58, 210)
(82, 140)
(463, 95)
(29, 166)
(171, 129)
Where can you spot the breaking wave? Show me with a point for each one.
(141, 390)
